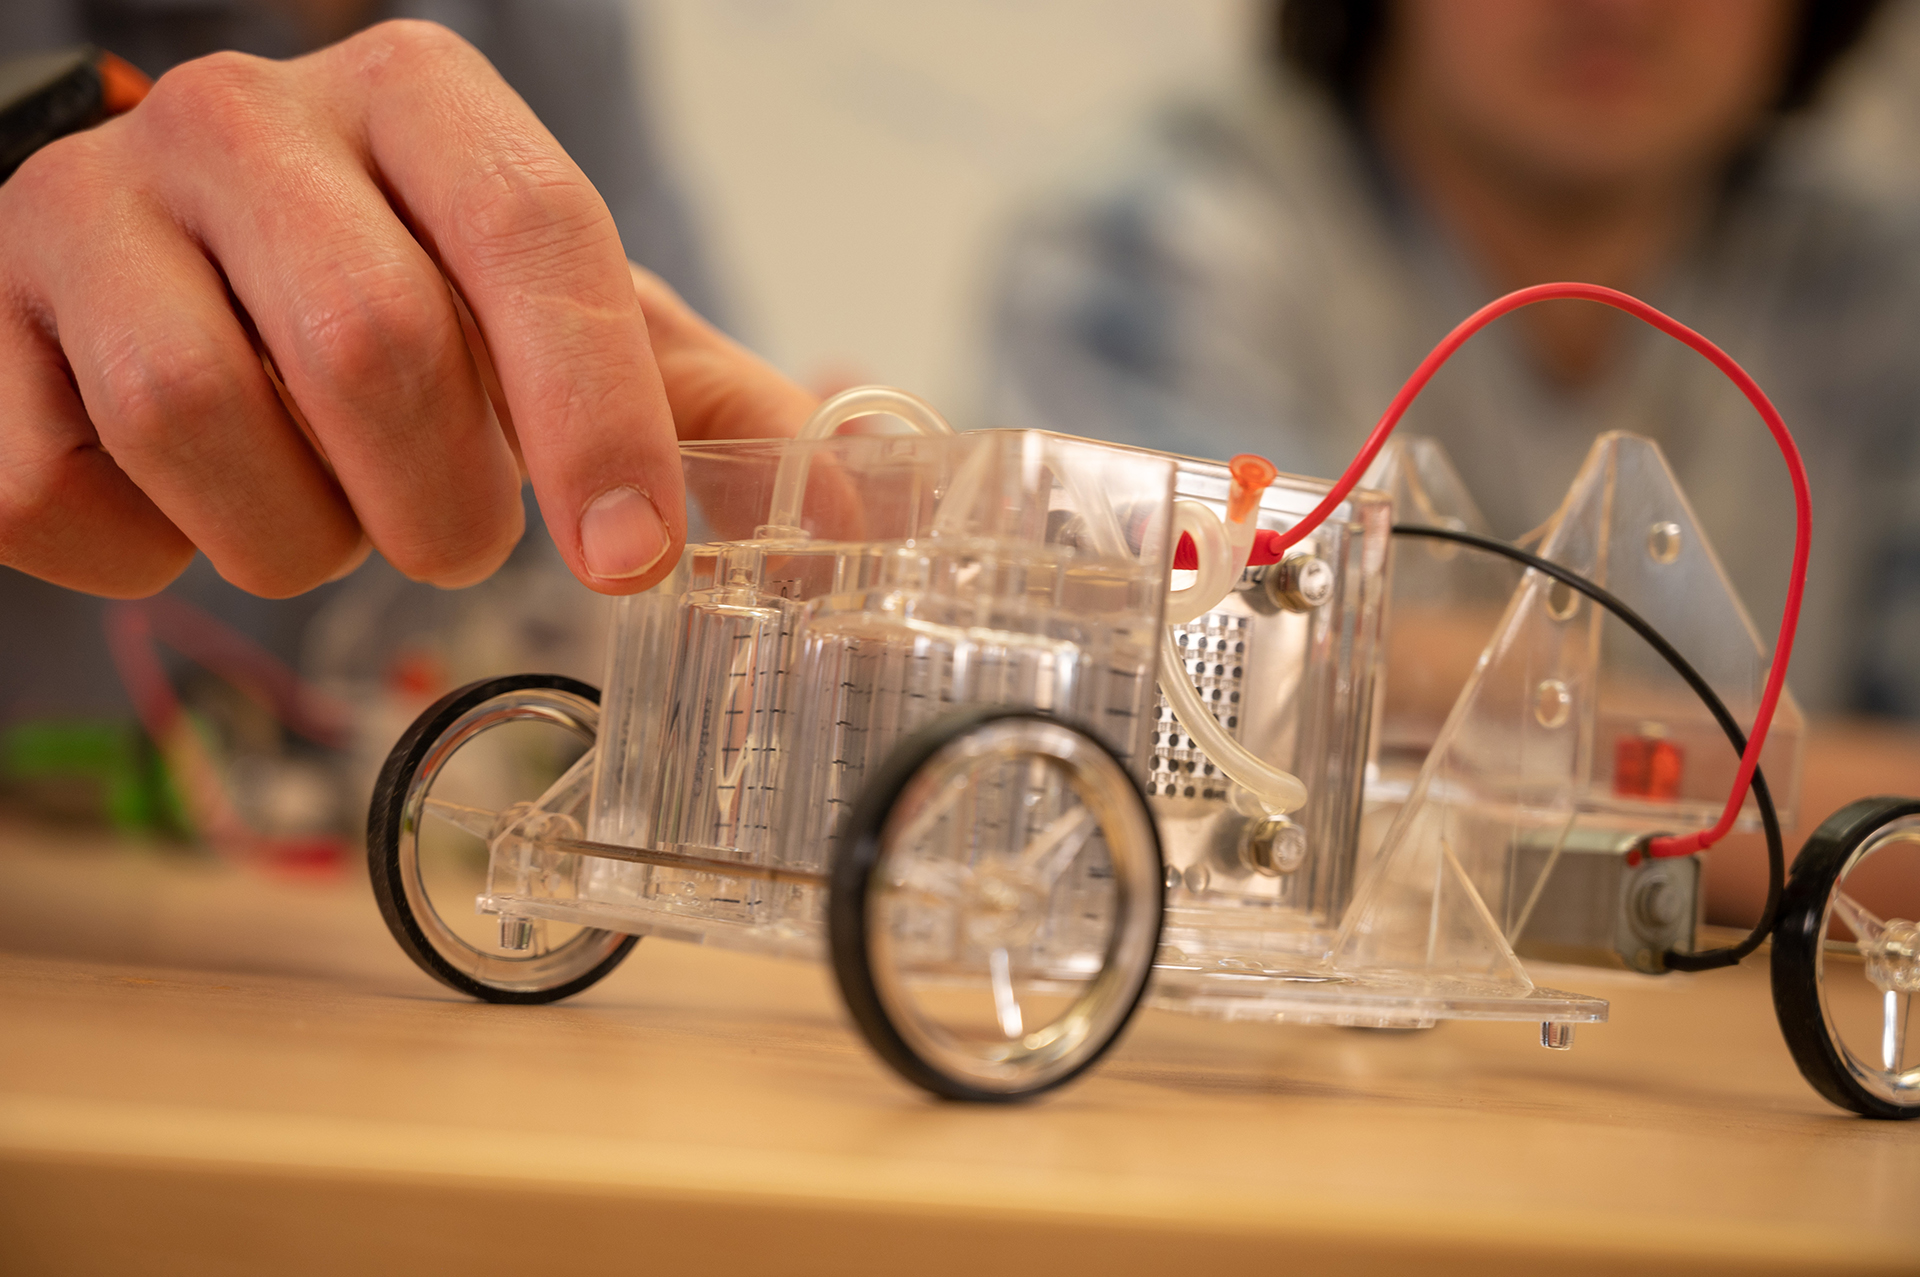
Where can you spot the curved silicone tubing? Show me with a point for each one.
(1280, 790)
(1220, 559)
(790, 482)
(1223, 549)
(1221, 554)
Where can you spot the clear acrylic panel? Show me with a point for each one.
(1444, 603)
(749, 696)
(1572, 730)
(1290, 672)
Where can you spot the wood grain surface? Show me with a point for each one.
(207, 1071)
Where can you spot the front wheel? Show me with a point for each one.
(1844, 978)
(440, 798)
(995, 904)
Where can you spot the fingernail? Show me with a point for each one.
(621, 534)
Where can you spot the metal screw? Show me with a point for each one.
(1656, 905)
(1300, 583)
(1556, 1035)
(1273, 845)
(516, 933)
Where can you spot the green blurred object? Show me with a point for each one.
(93, 768)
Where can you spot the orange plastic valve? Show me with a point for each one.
(1251, 475)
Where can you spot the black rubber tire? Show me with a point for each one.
(852, 877)
(1798, 936)
(383, 839)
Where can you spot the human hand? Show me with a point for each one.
(717, 389)
(334, 212)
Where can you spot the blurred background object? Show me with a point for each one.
(856, 162)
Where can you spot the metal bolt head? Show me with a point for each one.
(1656, 905)
(1273, 846)
(1300, 583)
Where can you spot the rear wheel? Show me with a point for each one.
(1845, 978)
(450, 785)
(995, 905)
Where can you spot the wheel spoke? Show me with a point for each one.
(942, 883)
(922, 822)
(1047, 856)
(1006, 1006)
(477, 821)
(991, 822)
(1893, 1030)
(1865, 926)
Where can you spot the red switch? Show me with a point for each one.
(1647, 765)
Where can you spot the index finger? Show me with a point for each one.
(531, 247)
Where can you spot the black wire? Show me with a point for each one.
(1762, 797)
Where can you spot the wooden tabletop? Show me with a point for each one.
(209, 1071)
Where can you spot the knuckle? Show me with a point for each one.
(357, 330)
(422, 38)
(64, 203)
(532, 209)
(63, 174)
(408, 47)
(219, 96)
(163, 393)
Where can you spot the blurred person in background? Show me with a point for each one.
(1272, 261)
(1276, 260)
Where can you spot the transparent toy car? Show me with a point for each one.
(1018, 731)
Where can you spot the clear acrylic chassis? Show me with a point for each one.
(748, 695)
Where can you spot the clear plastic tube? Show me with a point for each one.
(1279, 789)
(1219, 561)
(790, 482)
(1223, 549)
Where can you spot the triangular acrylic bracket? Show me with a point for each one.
(1417, 473)
(1554, 727)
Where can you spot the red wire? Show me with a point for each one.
(1796, 470)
